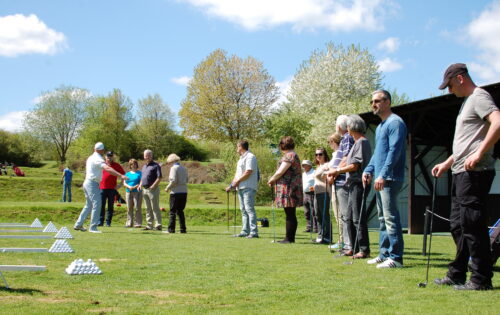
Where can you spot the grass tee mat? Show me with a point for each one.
(208, 271)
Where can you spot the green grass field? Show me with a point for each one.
(208, 271)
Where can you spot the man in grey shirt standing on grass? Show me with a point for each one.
(246, 182)
(150, 182)
(472, 167)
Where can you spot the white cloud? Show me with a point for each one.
(334, 15)
(184, 80)
(389, 45)
(12, 121)
(284, 88)
(389, 65)
(20, 34)
(483, 33)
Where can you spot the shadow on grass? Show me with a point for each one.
(22, 291)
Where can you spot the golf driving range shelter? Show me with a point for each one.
(431, 126)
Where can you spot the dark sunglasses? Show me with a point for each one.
(377, 101)
(319, 154)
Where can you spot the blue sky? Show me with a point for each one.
(152, 46)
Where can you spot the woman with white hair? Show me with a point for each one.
(357, 159)
(177, 187)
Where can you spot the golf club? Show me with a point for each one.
(234, 225)
(424, 284)
(274, 216)
(351, 261)
(227, 211)
(311, 222)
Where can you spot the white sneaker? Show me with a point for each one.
(376, 260)
(318, 240)
(95, 231)
(335, 246)
(389, 263)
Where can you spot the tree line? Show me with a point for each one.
(228, 98)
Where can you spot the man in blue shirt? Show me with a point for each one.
(387, 167)
(66, 178)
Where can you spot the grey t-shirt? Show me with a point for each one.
(471, 129)
(360, 153)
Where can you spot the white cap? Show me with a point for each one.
(99, 146)
(307, 162)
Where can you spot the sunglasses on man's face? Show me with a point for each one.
(377, 101)
(319, 154)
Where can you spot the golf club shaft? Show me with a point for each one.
(430, 237)
(274, 215)
(228, 211)
(234, 225)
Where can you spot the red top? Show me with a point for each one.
(108, 181)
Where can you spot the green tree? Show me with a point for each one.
(58, 117)
(285, 121)
(154, 125)
(107, 120)
(333, 81)
(227, 98)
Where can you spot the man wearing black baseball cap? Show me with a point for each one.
(472, 166)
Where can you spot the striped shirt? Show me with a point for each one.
(345, 146)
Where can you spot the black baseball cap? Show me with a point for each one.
(451, 72)
(109, 153)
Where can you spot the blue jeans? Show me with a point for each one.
(391, 242)
(248, 215)
(92, 204)
(66, 191)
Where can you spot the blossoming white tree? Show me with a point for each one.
(333, 81)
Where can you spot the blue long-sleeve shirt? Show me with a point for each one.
(388, 160)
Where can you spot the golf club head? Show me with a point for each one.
(422, 284)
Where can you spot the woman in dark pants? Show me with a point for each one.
(288, 189)
(322, 196)
(357, 159)
(177, 187)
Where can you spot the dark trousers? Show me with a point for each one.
(310, 212)
(291, 224)
(468, 225)
(358, 218)
(177, 205)
(109, 196)
(322, 206)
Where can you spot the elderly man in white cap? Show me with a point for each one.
(93, 173)
(308, 187)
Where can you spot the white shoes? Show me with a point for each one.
(389, 263)
(94, 231)
(376, 260)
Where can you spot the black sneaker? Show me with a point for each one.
(240, 235)
(158, 228)
(448, 281)
(473, 286)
